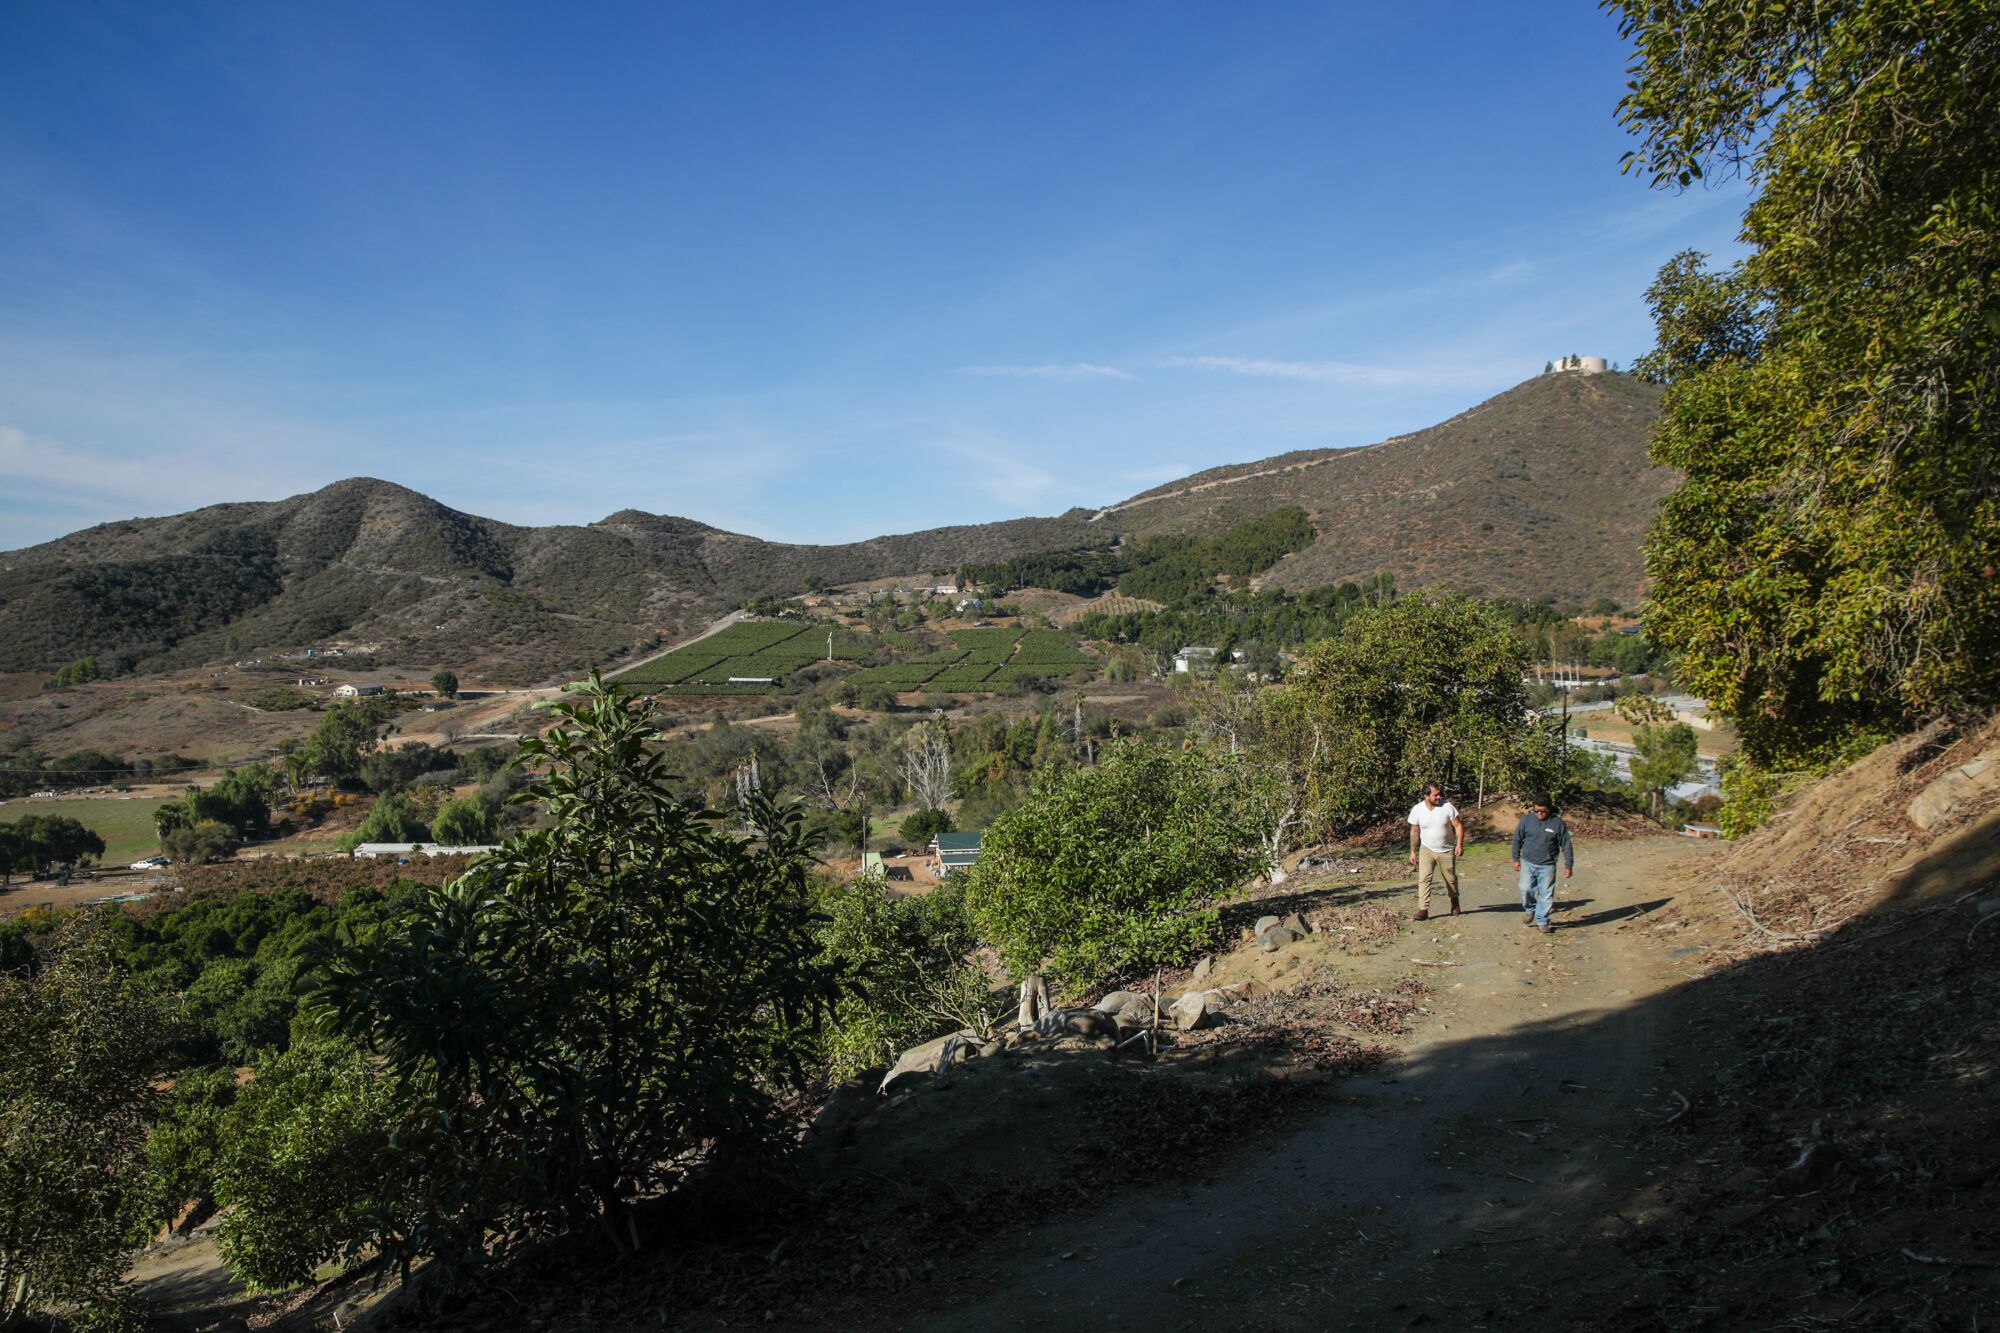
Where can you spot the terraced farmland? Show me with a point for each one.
(984, 658)
(772, 649)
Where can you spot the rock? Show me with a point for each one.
(919, 1062)
(1117, 1000)
(1953, 789)
(1988, 906)
(1202, 971)
(1274, 939)
(1088, 1024)
(844, 1109)
(1298, 925)
(1264, 923)
(1191, 1011)
(1245, 990)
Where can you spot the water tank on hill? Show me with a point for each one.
(1583, 365)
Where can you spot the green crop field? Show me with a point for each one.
(125, 823)
(982, 658)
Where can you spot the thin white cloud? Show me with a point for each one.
(1350, 373)
(1520, 268)
(1070, 373)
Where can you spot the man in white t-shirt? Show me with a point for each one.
(1437, 840)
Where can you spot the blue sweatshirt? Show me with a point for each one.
(1536, 841)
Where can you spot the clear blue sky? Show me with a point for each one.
(813, 272)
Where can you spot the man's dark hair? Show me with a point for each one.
(1547, 800)
(1430, 787)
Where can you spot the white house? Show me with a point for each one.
(358, 691)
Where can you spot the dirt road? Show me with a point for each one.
(1445, 1191)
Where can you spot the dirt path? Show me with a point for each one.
(1441, 1191)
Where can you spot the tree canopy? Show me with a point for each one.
(1828, 565)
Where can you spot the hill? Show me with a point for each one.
(1544, 490)
(371, 564)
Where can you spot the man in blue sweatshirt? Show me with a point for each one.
(1537, 838)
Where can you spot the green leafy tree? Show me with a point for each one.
(1112, 869)
(200, 844)
(185, 1145)
(1427, 688)
(305, 1163)
(79, 1049)
(912, 960)
(1666, 756)
(345, 733)
(393, 818)
(919, 827)
(445, 681)
(595, 1009)
(468, 821)
(1827, 566)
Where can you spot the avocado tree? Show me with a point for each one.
(1115, 868)
(79, 1050)
(598, 1008)
(445, 681)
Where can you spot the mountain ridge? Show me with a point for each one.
(1542, 490)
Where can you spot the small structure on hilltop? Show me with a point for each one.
(358, 691)
(368, 851)
(1581, 365)
(957, 851)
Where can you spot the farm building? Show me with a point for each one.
(358, 691)
(957, 851)
(1200, 661)
(368, 851)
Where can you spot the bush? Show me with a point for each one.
(1109, 870)
(79, 1048)
(911, 958)
(592, 1012)
(200, 844)
(919, 828)
(302, 1165)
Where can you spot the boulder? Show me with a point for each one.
(1264, 923)
(844, 1109)
(1088, 1024)
(917, 1064)
(1938, 801)
(1202, 971)
(1298, 925)
(1191, 1011)
(1118, 999)
(1274, 939)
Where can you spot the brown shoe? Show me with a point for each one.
(1423, 915)
(1454, 909)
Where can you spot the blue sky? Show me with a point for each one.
(813, 272)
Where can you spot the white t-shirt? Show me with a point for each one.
(1435, 821)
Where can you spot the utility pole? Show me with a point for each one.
(829, 645)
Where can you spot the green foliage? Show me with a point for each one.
(1084, 572)
(304, 1162)
(470, 821)
(79, 1048)
(593, 1011)
(393, 818)
(80, 672)
(1426, 689)
(185, 1146)
(1827, 565)
(344, 734)
(1112, 869)
(282, 699)
(1175, 570)
(918, 828)
(38, 844)
(1666, 756)
(911, 958)
(445, 681)
(200, 844)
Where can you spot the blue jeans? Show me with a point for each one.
(1538, 890)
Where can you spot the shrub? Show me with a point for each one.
(592, 1012)
(1112, 869)
(919, 828)
(911, 958)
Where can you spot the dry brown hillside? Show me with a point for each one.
(1543, 490)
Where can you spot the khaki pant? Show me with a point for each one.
(1442, 865)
